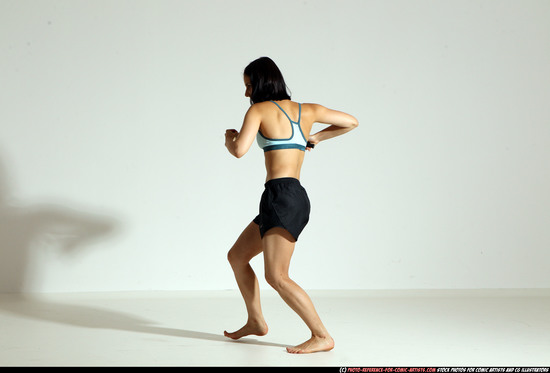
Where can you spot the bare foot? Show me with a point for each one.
(250, 328)
(314, 344)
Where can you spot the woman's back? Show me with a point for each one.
(283, 120)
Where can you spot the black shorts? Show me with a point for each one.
(284, 204)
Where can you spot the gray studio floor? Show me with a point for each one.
(371, 328)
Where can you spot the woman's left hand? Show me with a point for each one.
(230, 136)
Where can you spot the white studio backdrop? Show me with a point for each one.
(114, 175)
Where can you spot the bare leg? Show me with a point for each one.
(278, 248)
(247, 246)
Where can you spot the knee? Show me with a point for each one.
(234, 259)
(231, 257)
(276, 280)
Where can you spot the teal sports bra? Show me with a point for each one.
(296, 141)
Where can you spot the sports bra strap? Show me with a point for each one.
(299, 112)
(296, 141)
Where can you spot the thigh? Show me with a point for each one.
(248, 245)
(278, 247)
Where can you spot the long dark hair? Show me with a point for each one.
(266, 80)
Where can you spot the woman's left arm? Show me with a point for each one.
(238, 143)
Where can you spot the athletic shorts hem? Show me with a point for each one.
(263, 233)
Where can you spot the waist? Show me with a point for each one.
(282, 180)
(283, 163)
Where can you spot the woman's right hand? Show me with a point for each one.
(312, 140)
(340, 123)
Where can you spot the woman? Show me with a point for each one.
(284, 206)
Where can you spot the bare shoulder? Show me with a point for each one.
(311, 106)
(322, 114)
(257, 110)
(261, 106)
(312, 110)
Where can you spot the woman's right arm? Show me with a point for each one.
(340, 123)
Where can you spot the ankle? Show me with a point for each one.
(256, 321)
(321, 335)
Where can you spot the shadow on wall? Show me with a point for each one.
(26, 228)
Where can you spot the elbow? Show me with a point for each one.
(235, 150)
(239, 153)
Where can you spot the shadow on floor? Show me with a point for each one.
(25, 228)
(39, 308)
